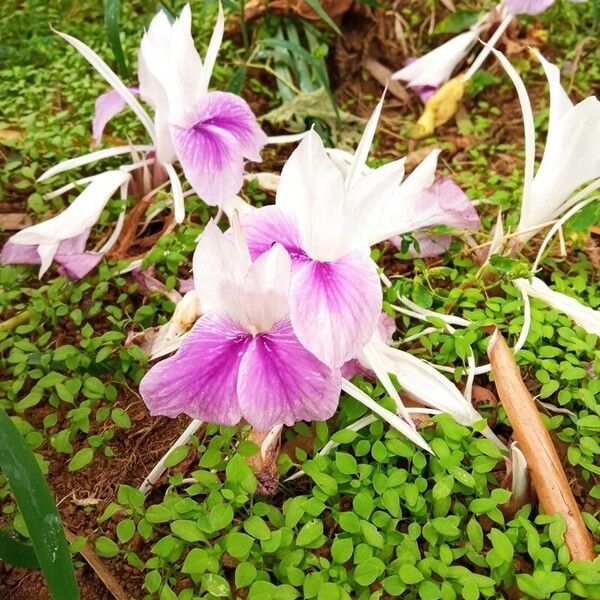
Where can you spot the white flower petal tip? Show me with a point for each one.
(520, 480)
(392, 419)
(113, 80)
(584, 316)
(436, 67)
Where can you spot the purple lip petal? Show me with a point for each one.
(107, 106)
(282, 382)
(201, 379)
(18, 254)
(71, 257)
(268, 225)
(211, 149)
(334, 306)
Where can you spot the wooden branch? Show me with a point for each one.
(547, 473)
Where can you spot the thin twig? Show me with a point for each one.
(15, 321)
(112, 585)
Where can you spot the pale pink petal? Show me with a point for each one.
(107, 106)
(282, 382)
(530, 7)
(429, 245)
(19, 254)
(268, 225)
(201, 379)
(219, 133)
(185, 285)
(78, 264)
(354, 367)
(335, 306)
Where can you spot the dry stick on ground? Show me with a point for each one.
(547, 473)
(112, 585)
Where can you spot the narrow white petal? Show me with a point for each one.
(450, 319)
(371, 359)
(46, 253)
(584, 316)
(79, 161)
(528, 126)
(394, 420)
(213, 47)
(359, 160)
(178, 201)
(520, 474)
(113, 80)
(286, 139)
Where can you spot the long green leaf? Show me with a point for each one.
(16, 553)
(112, 8)
(316, 6)
(39, 511)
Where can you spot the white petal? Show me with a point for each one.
(220, 270)
(359, 161)
(78, 216)
(79, 161)
(290, 138)
(178, 200)
(436, 67)
(529, 131)
(46, 252)
(571, 158)
(520, 475)
(170, 56)
(112, 79)
(311, 190)
(213, 47)
(267, 288)
(584, 316)
(560, 103)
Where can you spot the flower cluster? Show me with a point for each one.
(287, 303)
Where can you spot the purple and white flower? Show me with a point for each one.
(209, 133)
(63, 238)
(328, 213)
(242, 358)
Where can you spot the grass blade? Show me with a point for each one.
(112, 8)
(39, 511)
(316, 6)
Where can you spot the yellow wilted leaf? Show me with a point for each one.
(441, 107)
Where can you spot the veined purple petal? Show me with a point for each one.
(282, 382)
(335, 306)
(529, 7)
(107, 106)
(19, 254)
(268, 225)
(201, 379)
(221, 131)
